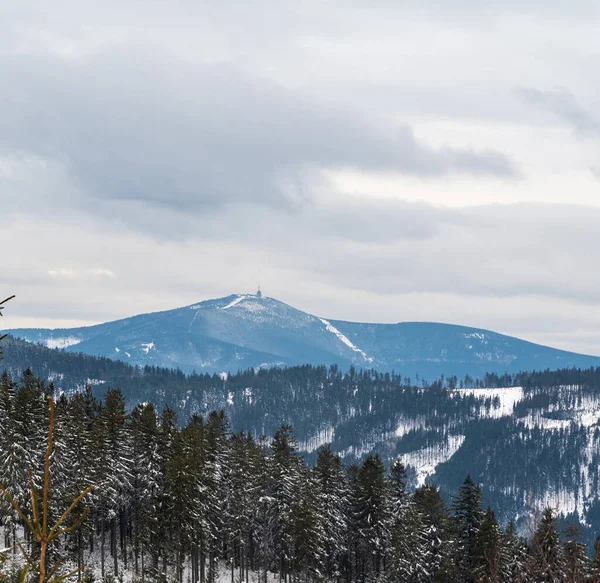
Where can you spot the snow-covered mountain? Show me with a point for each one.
(249, 331)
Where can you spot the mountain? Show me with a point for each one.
(548, 421)
(250, 331)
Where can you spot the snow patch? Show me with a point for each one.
(117, 349)
(147, 347)
(316, 441)
(426, 460)
(503, 399)
(230, 398)
(405, 425)
(62, 342)
(94, 382)
(477, 335)
(234, 302)
(344, 339)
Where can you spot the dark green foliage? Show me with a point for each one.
(578, 566)
(178, 499)
(467, 520)
(547, 563)
(488, 559)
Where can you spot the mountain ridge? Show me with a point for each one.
(242, 331)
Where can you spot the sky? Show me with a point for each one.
(370, 161)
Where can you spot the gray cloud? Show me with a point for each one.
(140, 126)
(566, 107)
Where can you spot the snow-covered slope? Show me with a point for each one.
(245, 331)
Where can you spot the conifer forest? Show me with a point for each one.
(192, 501)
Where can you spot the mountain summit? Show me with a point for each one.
(248, 330)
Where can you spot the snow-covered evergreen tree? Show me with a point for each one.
(373, 516)
(333, 507)
(488, 555)
(578, 567)
(467, 519)
(547, 563)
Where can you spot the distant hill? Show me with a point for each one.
(249, 331)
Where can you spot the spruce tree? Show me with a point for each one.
(409, 543)
(333, 506)
(434, 527)
(547, 563)
(146, 481)
(467, 519)
(578, 567)
(488, 550)
(515, 557)
(285, 473)
(596, 561)
(374, 517)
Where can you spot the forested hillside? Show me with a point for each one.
(548, 421)
(179, 500)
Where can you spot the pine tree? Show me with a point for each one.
(161, 545)
(146, 481)
(434, 528)
(285, 471)
(353, 562)
(217, 488)
(488, 550)
(333, 506)
(374, 517)
(111, 448)
(468, 516)
(45, 531)
(515, 557)
(596, 561)
(245, 458)
(9, 458)
(547, 562)
(409, 545)
(72, 464)
(308, 530)
(201, 494)
(578, 567)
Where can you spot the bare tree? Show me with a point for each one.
(37, 523)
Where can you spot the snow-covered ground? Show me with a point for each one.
(425, 460)
(406, 424)
(234, 302)
(93, 562)
(503, 399)
(585, 412)
(62, 342)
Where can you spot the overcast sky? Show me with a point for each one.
(376, 161)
